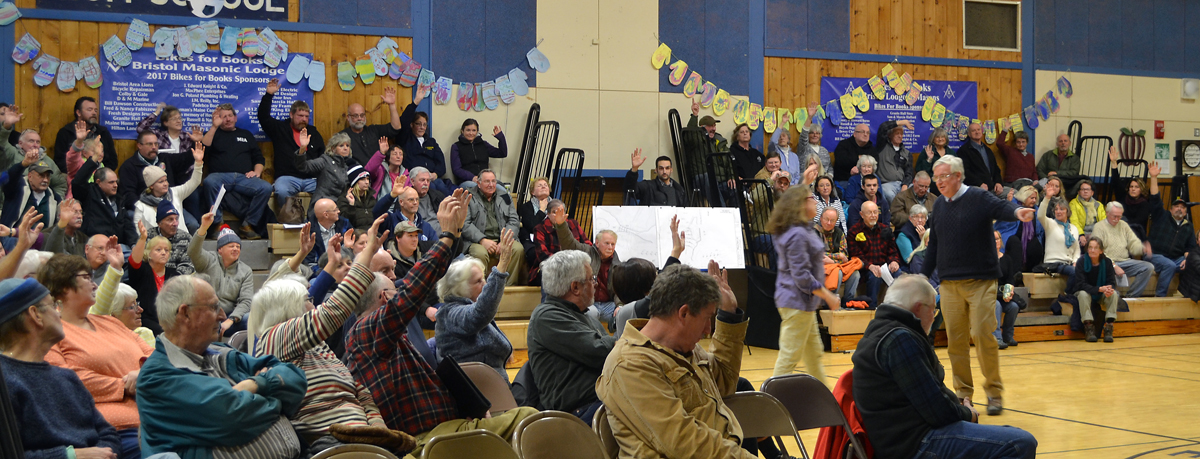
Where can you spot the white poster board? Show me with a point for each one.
(645, 232)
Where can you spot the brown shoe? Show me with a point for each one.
(248, 233)
(995, 406)
(1090, 331)
(1108, 338)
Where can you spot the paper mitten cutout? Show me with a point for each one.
(846, 103)
(769, 120)
(395, 69)
(927, 109)
(1064, 87)
(274, 55)
(315, 75)
(517, 78)
(741, 111)
(951, 123)
(266, 39)
(345, 75)
(1014, 120)
(212, 32)
(877, 88)
(721, 102)
(939, 114)
(890, 75)
(660, 56)
(479, 104)
(47, 67)
(365, 69)
(164, 43)
(28, 48)
(296, 69)
(707, 94)
(679, 70)
(1053, 101)
(385, 43)
(66, 76)
(818, 118)
(785, 118)
(503, 88)
(441, 90)
(250, 43)
(914, 94)
(1042, 107)
(378, 63)
(115, 52)
(183, 43)
(989, 131)
(91, 72)
(963, 124)
(412, 70)
(755, 116)
(229, 40)
(860, 99)
(833, 112)
(799, 117)
(199, 39)
(491, 100)
(8, 13)
(425, 80)
(852, 112)
(465, 92)
(904, 84)
(138, 33)
(1031, 119)
(693, 84)
(1002, 124)
(537, 60)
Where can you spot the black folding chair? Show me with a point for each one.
(568, 166)
(756, 202)
(586, 192)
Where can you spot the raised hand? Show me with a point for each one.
(333, 249)
(728, 300)
(350, 197)
(142, 233)
(558, 216)
(505, 248)
(810, 173)
(678, 239)
(112, 252)
(695, 107)
(383, 146)
(273, 86)
(636, 159)
(375, 238)
(1155, 169)
(1113, 154)
(31, 157)
(308, 238)
(303, 140)
(198, 152)
(496, 131)
(389, 95)
(81, 130)
(420, 96)
(398, 187)
(206, 221)
(929, 152)
(907, 124)
(159, 108)
(196, 135)
(13, 115)
(216, 118)
(27, 232)
(451, 213)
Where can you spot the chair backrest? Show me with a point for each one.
(492, 385)
(587, 192)
(554, 435)
(809, 402)
(472, 443)
(604, 431)
(757, 201)
(761, 415)
(238, 341)
(568, 165)
(720, 172)
(355, 451)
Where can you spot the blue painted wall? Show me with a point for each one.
(1122, 35)
(376, 13)
(807, 25)
(713, 37)
(479, 40)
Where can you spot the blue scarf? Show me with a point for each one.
(1067, 237)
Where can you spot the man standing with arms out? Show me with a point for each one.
(235, 162)
(979, 164)
(660, 191)
(846, 153)
(364, 138)
(716, 141)
(86, 110)
(284, 135)
(906, 408)
(963, 225)
(1061, 162)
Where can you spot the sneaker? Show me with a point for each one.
(1091, 332)
(249, 234)
(1108, 338)
(995, 406)
(1011, 342)
(1001, 344)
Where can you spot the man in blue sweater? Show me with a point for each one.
(962, 250)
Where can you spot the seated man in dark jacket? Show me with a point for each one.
(661, 191)
(898, 386)
(102, 213)
(283, 133)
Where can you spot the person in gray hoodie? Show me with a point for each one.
(232, 280)
(466, 327)
(489, 212)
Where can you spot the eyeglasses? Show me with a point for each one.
(133, 307)
(943, 177)
(84, 276)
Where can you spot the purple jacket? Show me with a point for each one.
(801, 268)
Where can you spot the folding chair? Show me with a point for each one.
(554, 435)
(472, 443)
(493, 386)
(355, 451)
(604, 431)
(238, 341)
(761, 415)
(810, 405)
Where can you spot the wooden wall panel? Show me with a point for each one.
(47, 109)
(926, 28)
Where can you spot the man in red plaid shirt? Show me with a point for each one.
(545, 238)
(875, 245)
(407, 390)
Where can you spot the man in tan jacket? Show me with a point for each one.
(662, 391)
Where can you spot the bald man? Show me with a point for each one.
(364, 139)
(979, 163)
(326, 222)
(875, 245)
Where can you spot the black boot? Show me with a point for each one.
(1108, 332)
(1090, 330)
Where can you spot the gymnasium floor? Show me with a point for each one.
(1137, 397)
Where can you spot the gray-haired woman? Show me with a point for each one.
(330, 169)
(465, 328)
(933, 151)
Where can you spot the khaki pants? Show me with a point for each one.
(1108, 304)
(503, 425)
(799, 339)
(516, 262)
(969, 311)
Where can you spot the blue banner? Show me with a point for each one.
(195, 86)
(957, 96)
(264, 10)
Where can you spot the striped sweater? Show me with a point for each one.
(333, 396)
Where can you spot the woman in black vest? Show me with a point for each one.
(470, 155)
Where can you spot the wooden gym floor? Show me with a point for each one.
(1138, 397)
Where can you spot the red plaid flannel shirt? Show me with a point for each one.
(879, 246)
(407, 390)
(546, 239)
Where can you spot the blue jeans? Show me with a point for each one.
(1006, 319)
(1166, 269)
(249, 196)
(874, 282)
(603, 311)
(288, 186)
(130, 449)
(1139, 276)
(889, 190)
(964, 439)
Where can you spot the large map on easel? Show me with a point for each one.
(645, 232)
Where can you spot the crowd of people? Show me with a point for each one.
(115, 313)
